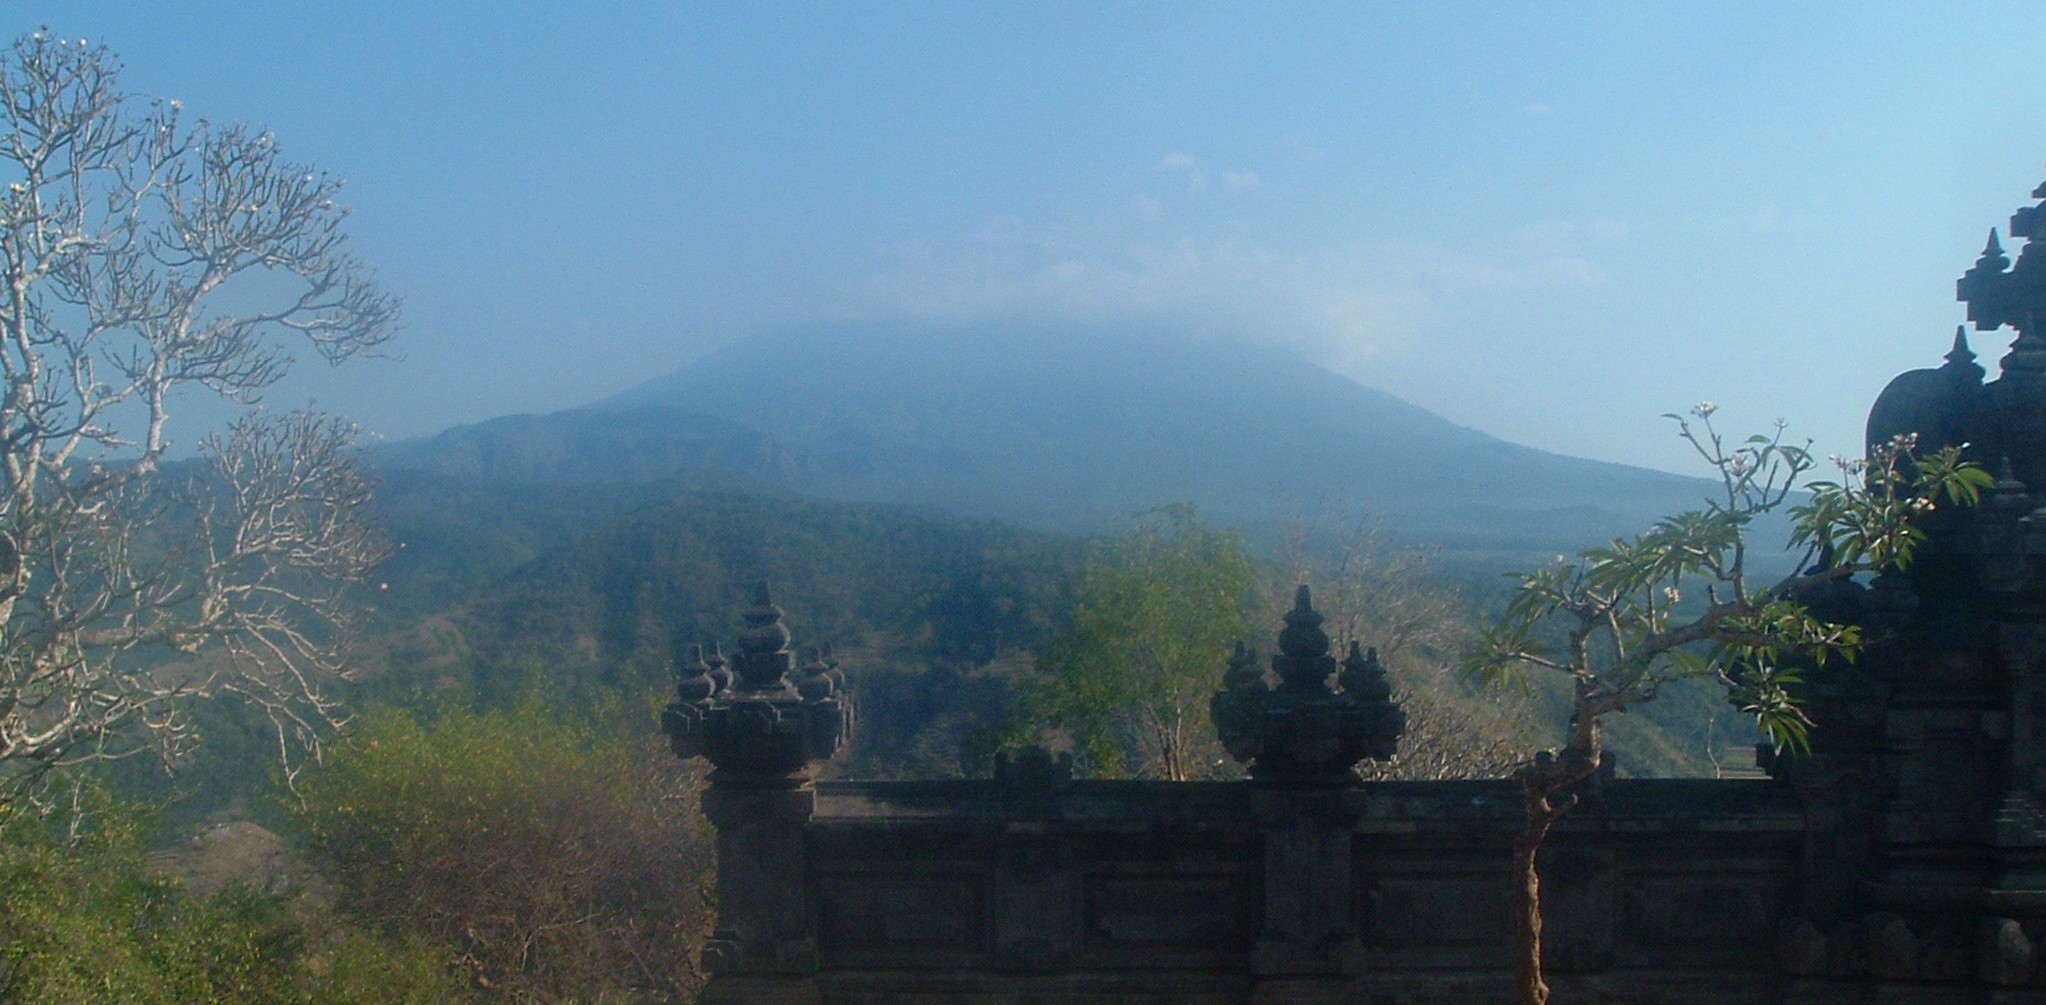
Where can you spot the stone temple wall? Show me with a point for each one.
(1665, 890)
(1901, 861)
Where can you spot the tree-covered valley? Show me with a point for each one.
(293, 714)
(521, 638)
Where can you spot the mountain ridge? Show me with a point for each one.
(1060, 428)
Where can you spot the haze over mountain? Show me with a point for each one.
(1066, 428)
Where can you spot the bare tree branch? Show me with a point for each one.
(140, 258)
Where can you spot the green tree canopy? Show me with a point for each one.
(84, 922)
(1157, 609)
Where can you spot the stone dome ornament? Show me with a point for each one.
(755, 725)
(1303, 731)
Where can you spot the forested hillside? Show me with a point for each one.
(915, 605)
(522, 637)
(583, 594)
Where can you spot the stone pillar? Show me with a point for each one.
(1309, 938)
(1302, 738)
(760, 731)
(764, 949)
(1927, 876)
(1037, 910)
(1036, 887)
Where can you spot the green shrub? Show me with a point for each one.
(82, 921)
(560, 861)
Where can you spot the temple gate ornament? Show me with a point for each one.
(2007, 418)
(1303, 731)
(751, 721)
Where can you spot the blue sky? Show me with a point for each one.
(1552, 224)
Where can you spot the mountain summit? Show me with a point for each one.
(1064, 428)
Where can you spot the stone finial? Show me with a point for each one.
(693, 681)
(1033, 770)
(1961, 365)
(753, 725)
(816, 683)
(764, 658)
(1363, 676)
(1304, 732)
(720, 669)
(2016, 297)
(831, 664)
(1243, 671)
(2004, 955)
(1303, 662)
(1992, 254)
(1984, 287)
(1238, 708)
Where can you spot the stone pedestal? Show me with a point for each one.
(763, 948)
(1310, 899)
(1036, 902)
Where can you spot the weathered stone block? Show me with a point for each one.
(1892, 947)
(1801, 949)
(906, 913)
(2004, 954)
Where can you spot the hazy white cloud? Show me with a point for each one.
(1539, 108)
(1240, 180)
(1552, 234)
(1150, 207)
(1181, 162)
(1768, 218)
(1343, 305)
(1568, 272)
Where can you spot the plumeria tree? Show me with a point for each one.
(1623, 620)
(146, 262)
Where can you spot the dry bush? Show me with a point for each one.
(559, 862)
(1452, 734)
(1390, 599)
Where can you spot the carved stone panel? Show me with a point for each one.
(1168, 911)
(1420, 917)
(1578, 907)
(1036, 906)
(1703, 919)
(906, 914)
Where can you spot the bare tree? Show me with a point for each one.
(144, 262)
(1450, 736)
(1391, 599)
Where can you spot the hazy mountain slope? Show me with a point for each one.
(577, 447)
(1065, 429)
